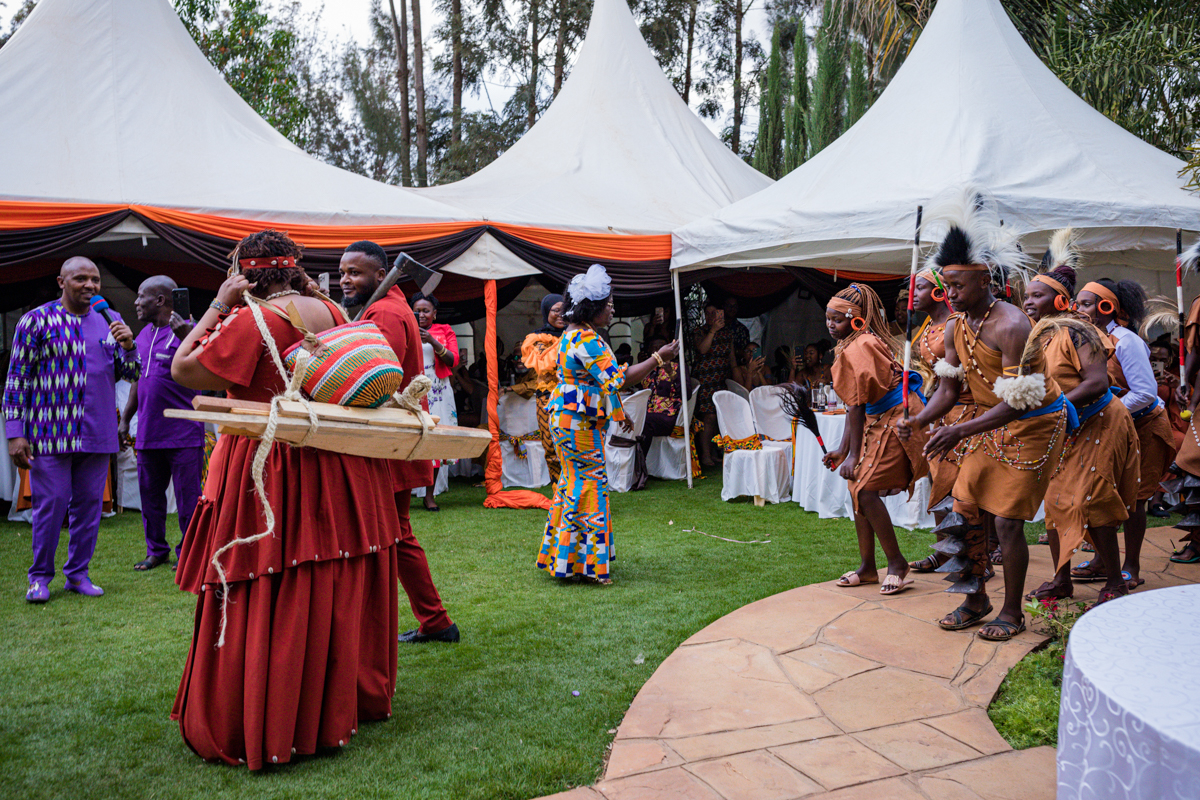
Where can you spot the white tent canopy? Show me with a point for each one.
(971, 104)
(110, 101)
(618, 151)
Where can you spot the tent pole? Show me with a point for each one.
(683, 381)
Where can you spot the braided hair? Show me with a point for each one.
(1066, 276)
(265, 244)
(865, 298)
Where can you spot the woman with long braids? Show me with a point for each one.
(1117, 309)
(577, 543)
(867, 377)
(310, 615)
(1096, 482)
(929, 298)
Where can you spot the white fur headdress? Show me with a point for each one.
(1063, 251)
(591, 285)
(1190, 258)
(964, 222)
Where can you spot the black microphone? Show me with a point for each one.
(101, 305)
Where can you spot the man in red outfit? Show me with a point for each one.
(363, 267)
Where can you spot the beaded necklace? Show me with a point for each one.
(972, 338)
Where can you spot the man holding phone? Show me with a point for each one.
(167, 449)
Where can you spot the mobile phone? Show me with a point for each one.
(323, 282)
(182, 303)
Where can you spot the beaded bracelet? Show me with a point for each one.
(220, 307)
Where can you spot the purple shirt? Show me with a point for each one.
(156, 391)
(61, 389)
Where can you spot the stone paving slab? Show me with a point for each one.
(840, 694)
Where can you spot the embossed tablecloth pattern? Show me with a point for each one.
(1129, 723)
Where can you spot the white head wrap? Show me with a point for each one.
(591, 285)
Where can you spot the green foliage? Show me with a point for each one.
(768, 152)
(18, 17)
(829, 84)
(254, 48)
(796, 133)
(87, 684)
(857, 98)
(1025, 711)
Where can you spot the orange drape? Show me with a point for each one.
(513, 498)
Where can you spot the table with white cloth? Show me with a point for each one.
(818, 489)
(1128, 725)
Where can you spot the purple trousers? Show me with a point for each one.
(157, 467)
(60, 484)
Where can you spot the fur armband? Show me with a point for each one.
(1023, 392)
(943, 369)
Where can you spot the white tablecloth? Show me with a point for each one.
(1128, 725)
(817, 489)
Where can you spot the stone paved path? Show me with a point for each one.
(821, 692)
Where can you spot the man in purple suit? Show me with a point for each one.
(60, 408)
(167, 449)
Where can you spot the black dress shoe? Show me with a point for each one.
(416, 637)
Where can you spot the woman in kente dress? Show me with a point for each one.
(539, 353)
(577, 543)
(867, 377)
(309, 647)
(1095, 484)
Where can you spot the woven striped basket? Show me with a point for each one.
(354, 366)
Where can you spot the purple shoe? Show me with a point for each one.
(85, 587)
(39, 591)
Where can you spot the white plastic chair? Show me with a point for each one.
(669, 458)
(619, 461)
(763, 474)
(737, 389)
(518, 417)
(766, 408)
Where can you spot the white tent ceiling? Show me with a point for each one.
(972, 103)
(110, 101)
(618, 151)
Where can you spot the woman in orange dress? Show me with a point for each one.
(1096, 482)
(309, 626)
(871, 457)
(1117, 308)
(539, 353)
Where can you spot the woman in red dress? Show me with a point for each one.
(310, 640)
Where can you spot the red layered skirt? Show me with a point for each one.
(310, 642)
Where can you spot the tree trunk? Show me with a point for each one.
(456, 71)
(691, 38)
(419, 95)
(560, 46)
(739, 13)
(400, 35)
(533, 63)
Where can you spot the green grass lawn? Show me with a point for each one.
(86, 685)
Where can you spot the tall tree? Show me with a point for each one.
(691, 40)
(796, 133)
(254, 52)
(419, 96)
(535, 45)
(727, 50)
(400, 37)
(857, 98)
(829, 83)
(768, 151)
(456, 69)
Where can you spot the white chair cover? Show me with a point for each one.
(669, 458)
(518, 416)
(619, 461)
(766, 408)
(764, 473)
(737, 389)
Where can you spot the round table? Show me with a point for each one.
(1128, 723)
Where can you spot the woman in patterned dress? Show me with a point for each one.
(577, 542)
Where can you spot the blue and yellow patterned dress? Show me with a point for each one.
(578, 537)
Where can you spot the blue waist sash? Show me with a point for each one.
(1089, 411)
(1150, 409)
(1054, 408)
(896, 396)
